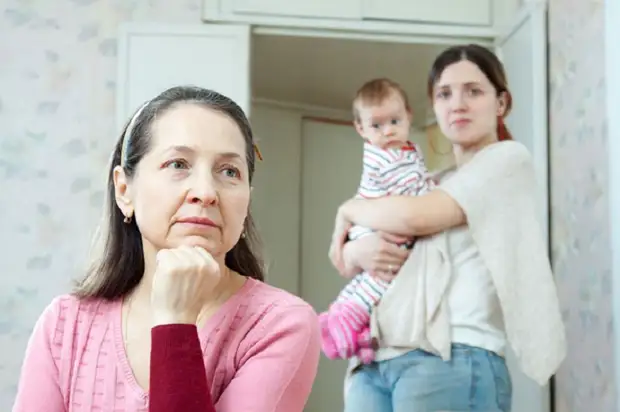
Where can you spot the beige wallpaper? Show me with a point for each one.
(57, 126)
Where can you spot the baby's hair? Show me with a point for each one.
(375, 92)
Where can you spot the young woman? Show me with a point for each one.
(500, 288)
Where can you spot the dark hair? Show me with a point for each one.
(375, 91)
(488, 63)
(119, 266)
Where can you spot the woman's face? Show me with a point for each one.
(466, 105)
(192, 187)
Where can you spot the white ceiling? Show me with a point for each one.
(327, 72)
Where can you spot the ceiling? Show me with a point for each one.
(327, 72)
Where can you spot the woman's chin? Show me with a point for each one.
(212, 246)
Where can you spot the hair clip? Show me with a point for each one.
(258, 153)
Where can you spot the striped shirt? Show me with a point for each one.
(391, 172)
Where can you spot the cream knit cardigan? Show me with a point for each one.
(496, 190)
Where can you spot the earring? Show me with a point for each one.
(127, 219)
(501, 129)
(243, 235)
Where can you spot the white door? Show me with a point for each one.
(331, 167)
(524, 55)
(154, 57)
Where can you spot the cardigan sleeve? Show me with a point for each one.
(497, 191)
(178, 381)
(277, 363)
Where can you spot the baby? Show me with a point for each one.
(392, 166)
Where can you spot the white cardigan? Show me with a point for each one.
(496, 190)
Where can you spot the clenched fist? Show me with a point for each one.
(183, 281)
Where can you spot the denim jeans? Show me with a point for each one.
(474, 380)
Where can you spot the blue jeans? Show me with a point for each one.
(474, 380)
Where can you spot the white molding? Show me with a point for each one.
(213, 12)
(305, 109)
(612, 58)
(368, 36)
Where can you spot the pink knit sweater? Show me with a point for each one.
(261, 352)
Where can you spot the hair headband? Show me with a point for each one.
(129, 131)
(131, 125)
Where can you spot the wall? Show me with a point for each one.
(57, 128)
(278, 182)
(581, 250)
(438, 150)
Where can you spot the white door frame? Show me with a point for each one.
(612, 56)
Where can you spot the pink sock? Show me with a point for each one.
(366, 355)
(344, 321)
(365, 351)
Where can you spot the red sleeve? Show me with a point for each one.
(178, 381)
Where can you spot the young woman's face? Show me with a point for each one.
(466, 105)
(192, 187)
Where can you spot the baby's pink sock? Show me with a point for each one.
(365, 351)
(345, 320)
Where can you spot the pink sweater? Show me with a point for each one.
(261, 352)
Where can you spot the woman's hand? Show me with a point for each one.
(379, 254)
(183, 280)
(339, 237)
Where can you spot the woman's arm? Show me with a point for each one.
(278, 362)
(378, 253)
(178, 381)
(422, 215)
(39, 386)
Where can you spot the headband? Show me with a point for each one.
(129, 131)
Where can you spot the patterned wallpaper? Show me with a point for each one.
(580, 215)
(57, 128)
(57, 79)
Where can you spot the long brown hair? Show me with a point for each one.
(118, 265)
(488, 63)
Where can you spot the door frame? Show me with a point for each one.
(533, 16)
(612, 57)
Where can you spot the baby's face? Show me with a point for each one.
(386, 124)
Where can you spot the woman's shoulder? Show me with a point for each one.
(70, 303)
(506, 151)
(493, 162)
(264, 299)
(268, 310)
(68, 311)
(275, 320)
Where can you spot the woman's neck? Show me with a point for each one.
(464, 153)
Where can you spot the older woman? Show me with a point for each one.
(175, 302)
(478, 278)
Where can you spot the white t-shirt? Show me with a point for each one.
(475, 312)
